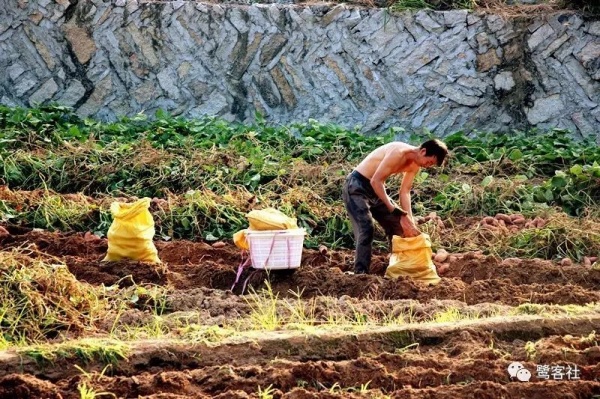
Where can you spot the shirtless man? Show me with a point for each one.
(366, 199)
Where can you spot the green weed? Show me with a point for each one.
(530, 350)
(266, 393)
(85, 350)
(263, 305)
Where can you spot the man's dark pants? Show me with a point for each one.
(363, 205)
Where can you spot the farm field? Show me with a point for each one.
(513, 219)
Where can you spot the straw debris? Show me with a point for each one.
(40, 299)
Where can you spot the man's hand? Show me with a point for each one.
(408, 227)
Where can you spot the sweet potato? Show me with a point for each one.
(520, 221)
(504, 217)
(566, 262)
(587, 262)
(441, 256)
(323, 249)
(516, 216)
(443, 268)
(489, 220)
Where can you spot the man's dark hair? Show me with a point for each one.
(437, 148)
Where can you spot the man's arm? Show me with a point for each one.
(405, 187)
(408, 223)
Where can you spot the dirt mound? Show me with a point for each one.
(470, 362)
(123, 273)
(522, 271)
(464, 364)
(18, 386)
(191, 265)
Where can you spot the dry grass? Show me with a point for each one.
(40, 298)
(527, 11)
(560, 236)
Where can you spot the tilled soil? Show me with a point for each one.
(467, 361)
(188, 265)
(466, 364)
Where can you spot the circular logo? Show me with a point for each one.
(513, 368)
(523, 375)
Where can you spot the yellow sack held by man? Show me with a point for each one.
(411, 256)
(131, 232)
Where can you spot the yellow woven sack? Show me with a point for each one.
(411, 256)
(131, 232)
(270, 219)
(239, 239)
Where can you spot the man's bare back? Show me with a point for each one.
(395, 152)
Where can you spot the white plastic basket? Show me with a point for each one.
(276, 249)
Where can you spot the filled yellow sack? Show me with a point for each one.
(264, 219)
(131, 232)
(411, 256)
(270, 219)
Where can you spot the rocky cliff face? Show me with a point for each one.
(440, 71)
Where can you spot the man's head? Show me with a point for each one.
(432, 152)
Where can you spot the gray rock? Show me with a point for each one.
(421, 56)
(594, 28)
(596, 113)
(425, 20)
(539, 36)
(585, 127)
(98, 98)
(504, 81)
(495, 23)
(591, 88)
(15, 70)
(545, 109)
(45, 92)
(441, 71)
(589, 55)
(8, 101)
(167, 80)
(555, 45)
(457, 95)
(26, 83)
(72, 94)
(455, 18)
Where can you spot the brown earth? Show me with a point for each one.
(188, 265)
(465, 364)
